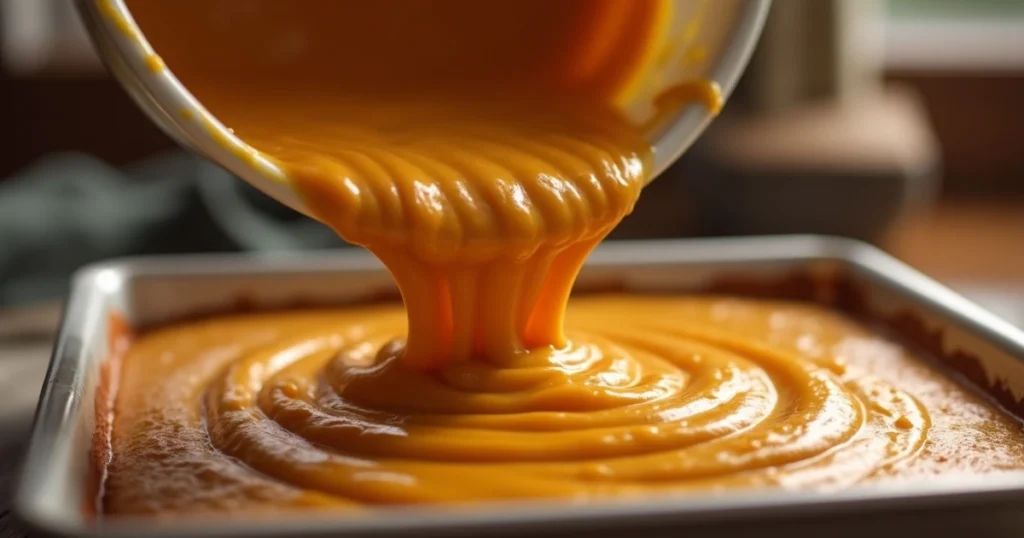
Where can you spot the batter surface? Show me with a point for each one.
(650, 394)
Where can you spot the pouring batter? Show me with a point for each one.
(478, 149)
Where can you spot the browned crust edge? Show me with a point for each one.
(119, 338)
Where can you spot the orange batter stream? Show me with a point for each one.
(477, 148)
(474, 147)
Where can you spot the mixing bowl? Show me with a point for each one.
(704, 39)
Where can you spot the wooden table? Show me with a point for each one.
(975, 241)
(22, 367)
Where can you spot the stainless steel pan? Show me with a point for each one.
(844, 274)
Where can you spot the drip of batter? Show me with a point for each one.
(474, 147)
(482, 212)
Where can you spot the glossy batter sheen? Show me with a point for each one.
(477, 149)
(474, 147)
(316, 409)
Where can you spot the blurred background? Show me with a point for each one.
(898, 122)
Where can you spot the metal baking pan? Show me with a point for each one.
(844, 274)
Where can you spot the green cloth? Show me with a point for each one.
(69, 210)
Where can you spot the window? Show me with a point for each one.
(955, 35)
(45, 37)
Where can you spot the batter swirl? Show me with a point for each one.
(281, 411)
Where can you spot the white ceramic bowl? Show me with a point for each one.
(720, 34)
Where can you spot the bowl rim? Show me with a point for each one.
(154, 87)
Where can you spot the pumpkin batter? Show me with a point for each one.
(478, 149)
(475, 147)
(284, 411)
